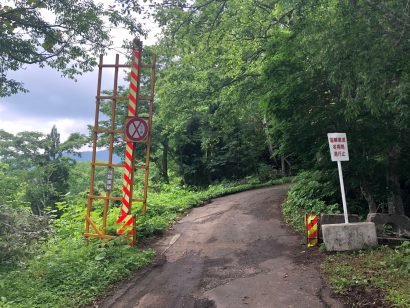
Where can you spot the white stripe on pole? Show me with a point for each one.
(342, 188)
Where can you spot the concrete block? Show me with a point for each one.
(326, 219)
(351, 236)
(400, 223)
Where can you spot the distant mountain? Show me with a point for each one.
(101, 156)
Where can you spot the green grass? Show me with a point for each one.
(383, 269)
(70, 273)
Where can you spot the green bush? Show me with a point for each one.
(20, 234)
(70, 273)
(309, 193)
(265, 172)
(400, 260)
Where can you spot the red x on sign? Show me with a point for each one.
(136, 129)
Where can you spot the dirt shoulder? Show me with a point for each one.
(234, 252)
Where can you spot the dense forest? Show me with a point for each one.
(260, 83)
(246, 93)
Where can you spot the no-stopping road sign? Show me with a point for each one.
(136, 129)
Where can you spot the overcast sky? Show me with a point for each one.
(56, 100)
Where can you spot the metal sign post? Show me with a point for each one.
(136, 129)
(342, 189)
(339, 152)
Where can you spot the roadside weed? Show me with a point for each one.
(384, 268)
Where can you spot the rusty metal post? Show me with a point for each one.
(95, 128)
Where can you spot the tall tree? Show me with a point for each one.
(39, 164)
(63, 34)
(344, 64)
(308, 67)
(212, 53)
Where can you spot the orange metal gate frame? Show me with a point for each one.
(97, 231)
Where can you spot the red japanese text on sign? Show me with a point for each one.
(338, 146)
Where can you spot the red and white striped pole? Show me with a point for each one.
(126, 218)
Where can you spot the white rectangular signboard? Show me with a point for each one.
(338, 146)
(110, 175)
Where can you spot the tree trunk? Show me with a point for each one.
(268, 138)
(289, 167)
(364, 187)
(283, 166)
(394, 199)
(35, 209)
(164, 170)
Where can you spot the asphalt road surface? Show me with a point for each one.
(233, 252)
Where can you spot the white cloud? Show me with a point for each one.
(64, 126)
(55, 100)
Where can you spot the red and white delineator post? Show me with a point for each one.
(126, 219)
